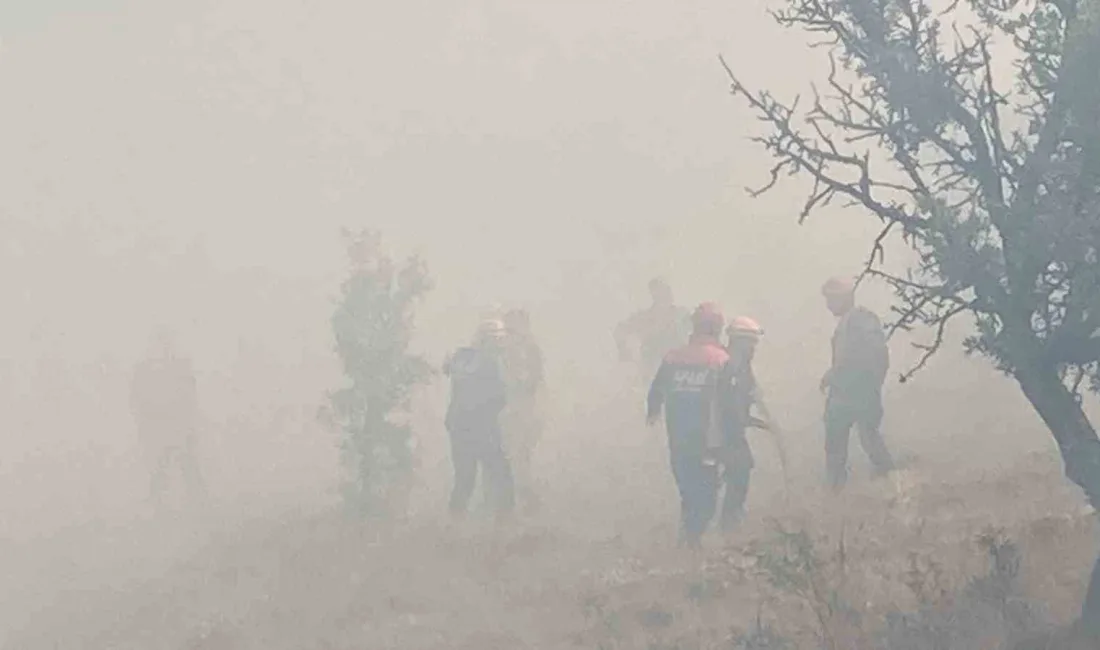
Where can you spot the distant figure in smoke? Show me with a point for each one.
(653, 331)
(478, 395)
(164, 403)
(686, 389)
(853, 383)
(521, 420)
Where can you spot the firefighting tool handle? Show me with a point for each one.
(777, 437)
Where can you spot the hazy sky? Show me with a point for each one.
(191, 161)
(557, 154)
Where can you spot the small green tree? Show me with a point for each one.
(995, 187)
(373, 325)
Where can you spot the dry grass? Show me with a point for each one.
(935, 560)
(922, 570)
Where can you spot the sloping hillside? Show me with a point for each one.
(597, 569)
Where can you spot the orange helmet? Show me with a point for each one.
(839, 286)
(744, 327)
(708, 319)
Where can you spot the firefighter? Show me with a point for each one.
(647, 334)
(737, 395)
(478, 395)
(853, 383)
(165, 407)
(521, 421)
(685, 388)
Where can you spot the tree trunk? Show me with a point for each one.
(1080, 449)
(1090, 613)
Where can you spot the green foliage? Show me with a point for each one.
(994, 186)
(373, 326)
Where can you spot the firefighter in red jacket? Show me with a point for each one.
(685, 388)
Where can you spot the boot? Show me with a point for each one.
(731, 521)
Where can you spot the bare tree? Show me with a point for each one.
(997, 190)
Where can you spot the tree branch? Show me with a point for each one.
(934, 347)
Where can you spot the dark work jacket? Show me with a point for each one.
(478, 390)
(861, 357)
(686, 387)
(736, 395)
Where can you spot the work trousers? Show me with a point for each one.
(862, 409)
(695, 481)
(736, 463)
(522, 430)
(701, 474)
(474, 448)
(165, 456)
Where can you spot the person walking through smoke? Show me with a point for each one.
(737, 393)
(685, 388)
(853, 384)
(478, 395)
(521, 420)
(164, 403)
(652, 331)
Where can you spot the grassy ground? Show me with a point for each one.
(927, 560)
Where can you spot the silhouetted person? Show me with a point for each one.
(737, 394)
(521, 420)
(686, 388)
(478, 394)
(853, 383)
(164, 403)
(648, 334)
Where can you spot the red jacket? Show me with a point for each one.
(686, 387)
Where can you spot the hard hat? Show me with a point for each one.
(839, 286)
(708, 318)
(490, 328)
(744, 327)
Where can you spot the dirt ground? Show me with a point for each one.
(596, 568)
